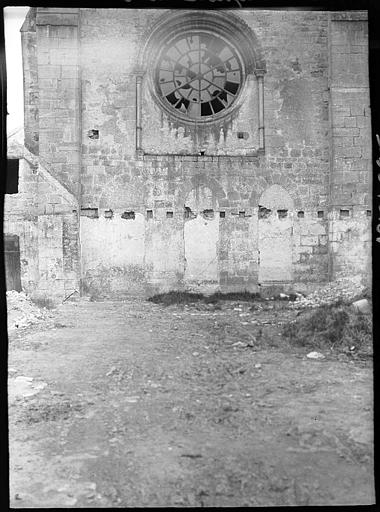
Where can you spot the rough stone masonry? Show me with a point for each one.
(200, 150)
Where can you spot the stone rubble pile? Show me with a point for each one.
(21, 311)
(346, 289)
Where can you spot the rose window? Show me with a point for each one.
(199, 76)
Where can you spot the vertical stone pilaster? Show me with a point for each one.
(350, 144)
(57, 39)
(29, 61)
(260, 82)
(138, 113)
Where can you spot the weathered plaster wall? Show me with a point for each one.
(350, 244)
(120, 265)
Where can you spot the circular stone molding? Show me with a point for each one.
(197, 63)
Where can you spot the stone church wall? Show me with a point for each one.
(238, 205)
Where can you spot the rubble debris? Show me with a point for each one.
(344, 289)
(132, 399)
(112, 371)
(315, 355)
(362, 306)
(239, 344)
(24, 387)
(22, 311)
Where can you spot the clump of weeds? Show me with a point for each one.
(176, 297)
(244, 296)
(337, 327)
(184, 297)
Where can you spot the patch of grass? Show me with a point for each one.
(332, 326)
(244, 296)
(183, 297)
(176, 297)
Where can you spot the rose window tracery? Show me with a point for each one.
(199, 75)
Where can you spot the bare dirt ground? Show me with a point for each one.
(134, 404)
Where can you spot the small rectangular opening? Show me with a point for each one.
(301, 214)
(169, 215)
(93, 213)
(130, 215)
(369, 213)
(344, 213)
(282, 214)
(208, 214)
(108, 214)
(149, 214)
(222, 215)
(320, 214)
(241, 214)
(93, 134)
(264, 212)
(12, 175)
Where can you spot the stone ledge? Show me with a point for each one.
(198, 158)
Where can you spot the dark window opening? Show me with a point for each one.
(149, 214)
(321, 214)
(128, 215)
(231, 87)
(222, 215)
(93, 134)
(301, 214)
(12, 262)
(242, 135)
(264, 212)
(108, 214)
(206, 109)
(344, 213)
(217, 105)
(369, 213)
(241, 214)
(208, 214)
(169, 215)
(188, 214)
(12, 176)
(282, 214)
(93, 213)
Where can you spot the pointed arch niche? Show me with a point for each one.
(201, 238)
(275, 236)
